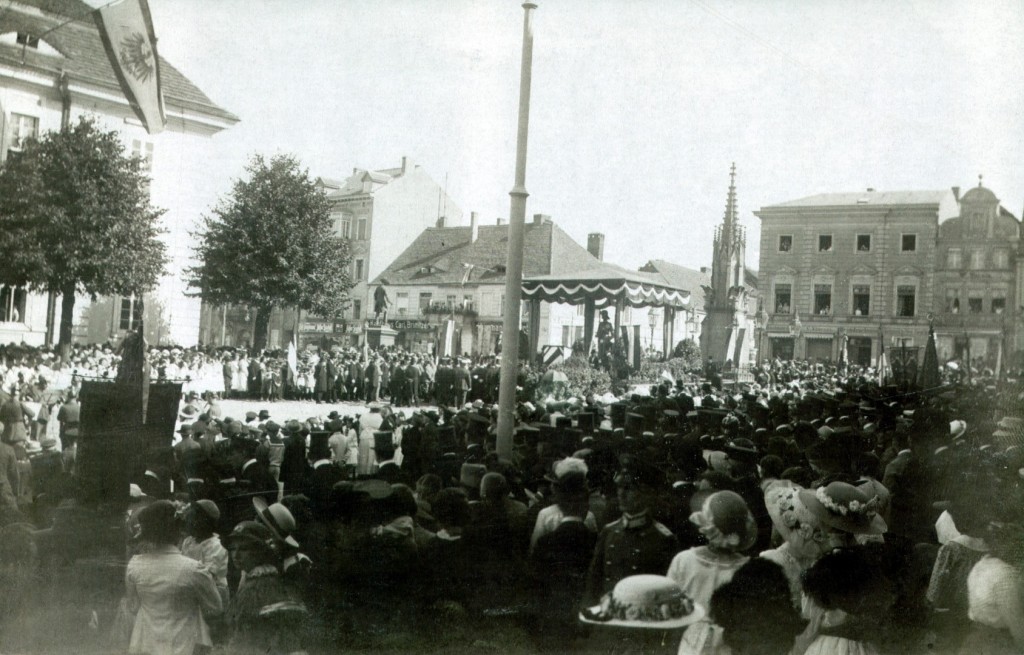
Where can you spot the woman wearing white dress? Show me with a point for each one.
(995, 589)
(241, 380)
(727, 524)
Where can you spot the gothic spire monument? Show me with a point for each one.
(726, 335)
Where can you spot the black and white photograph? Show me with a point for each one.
(471, 327)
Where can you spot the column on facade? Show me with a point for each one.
(668, 324)
(619, 308)
(534, 329)
(588, 323)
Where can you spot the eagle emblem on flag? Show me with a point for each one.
(126, 29)
(137, 57)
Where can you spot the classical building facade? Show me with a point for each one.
(380, 212)
(457, 274)
(978, 270)
(53, 69)
(859, 265)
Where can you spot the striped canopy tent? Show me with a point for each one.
(604, 285)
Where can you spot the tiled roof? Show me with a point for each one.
(353, 184)
(442, 255)
(330, 182)
(84, 57)
(682, 278)
(869, 198)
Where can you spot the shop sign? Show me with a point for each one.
(409, 324)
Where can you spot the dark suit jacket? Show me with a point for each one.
(321, 482)
(462, 379)
(260, 481)
(390, 473)
(559, 566)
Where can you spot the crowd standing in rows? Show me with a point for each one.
(810, 512)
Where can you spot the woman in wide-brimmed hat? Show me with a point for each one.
(804, 537)
(729, 527)
(265, 615)
(847, 511)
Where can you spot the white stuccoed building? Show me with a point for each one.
(45, 75)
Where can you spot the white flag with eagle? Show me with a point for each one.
(126, 28)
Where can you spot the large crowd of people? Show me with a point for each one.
(322, 375)
(809, 511)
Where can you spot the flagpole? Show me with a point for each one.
(514, 266)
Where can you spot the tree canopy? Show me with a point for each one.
(75, 217)
(271, 243)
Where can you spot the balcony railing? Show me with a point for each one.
(441, 308)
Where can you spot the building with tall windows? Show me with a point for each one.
(856, 265)
(380, 212)
(53, 69)
(978, 295)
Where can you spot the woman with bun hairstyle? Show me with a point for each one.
(753, 612)
(168, 592)
(852, 598)
(995, 589)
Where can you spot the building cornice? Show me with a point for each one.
(45, 83)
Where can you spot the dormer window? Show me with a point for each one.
(27, 40)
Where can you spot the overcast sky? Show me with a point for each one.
(639, 107)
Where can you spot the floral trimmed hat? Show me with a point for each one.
(844, 507)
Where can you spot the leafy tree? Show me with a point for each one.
(271, 243)
(75, 217)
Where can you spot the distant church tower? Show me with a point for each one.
(726, 334)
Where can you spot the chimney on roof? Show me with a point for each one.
(956, 193)
(704, 269)
(405, 165)
(474, 227)
(540, 219)
(442, 221)
(501, 221)
(595, 245)
(871, 189)
(355, 170)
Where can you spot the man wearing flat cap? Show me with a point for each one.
(636, 543)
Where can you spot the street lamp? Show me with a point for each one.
(761, 321)
(652, 322)
(795, 328)
(691, 324)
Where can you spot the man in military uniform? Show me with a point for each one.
(413, 372)
(371, 379)
(636, 543)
